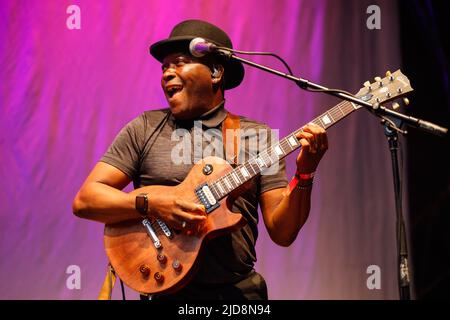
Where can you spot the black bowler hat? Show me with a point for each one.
(185, 31)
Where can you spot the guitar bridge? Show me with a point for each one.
(152, 234)
(206, 197)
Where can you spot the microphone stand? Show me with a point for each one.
(390, 130)
(375, 108)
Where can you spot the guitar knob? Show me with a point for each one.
(388, 73)
(161, 258)
(159, 277)
(176, 265)
(144, 270)
(207, 169)
(406, 101)
(395, 106)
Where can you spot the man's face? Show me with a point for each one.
(187, 85)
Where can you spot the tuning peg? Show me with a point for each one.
(390, 76)
(406, 101)
(395, 106)
(367, 84)
(378, 79)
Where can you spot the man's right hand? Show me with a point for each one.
(177, 213)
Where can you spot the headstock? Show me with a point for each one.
(391, 87)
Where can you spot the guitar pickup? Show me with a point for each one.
(152, 234)
(165, 229)
(206, 197)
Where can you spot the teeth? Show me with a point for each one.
(172, 90)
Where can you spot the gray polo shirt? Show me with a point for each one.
(157, 149)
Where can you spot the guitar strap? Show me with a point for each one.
(108, 284)
(231, 143)
(231, 138)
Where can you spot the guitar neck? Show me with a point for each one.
(265, 159)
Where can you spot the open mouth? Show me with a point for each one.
(173, 90)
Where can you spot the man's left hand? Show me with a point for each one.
(314, 143)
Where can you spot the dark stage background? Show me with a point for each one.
(425, 47)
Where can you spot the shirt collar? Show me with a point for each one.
(215, 116)
(211, 119)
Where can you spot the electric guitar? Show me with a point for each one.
(152, 258)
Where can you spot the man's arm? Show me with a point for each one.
(285, 211)
(101, 199)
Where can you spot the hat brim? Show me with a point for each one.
(234, 70)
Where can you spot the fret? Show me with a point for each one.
(259, 162)
(225, 179)
(265, 156)
(235, 177)
(219, 186)
(225, 185)
(255, 166)
(251, 166)
(336, 114)
(285, 147)
(244, 172)
(326, 119)
(279, 152)
(348, 108)
(239, 174)
(293, 142)
(230, 180)
(330, 114)
(339, 107)
(320, 122)
(274, 157)
(214, 191)
(317, 122)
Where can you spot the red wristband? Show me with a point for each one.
(305, 176)
(293, 183)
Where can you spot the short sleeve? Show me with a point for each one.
(125, 151)
(275, 176)
(276, 180)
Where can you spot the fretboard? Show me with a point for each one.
(265, 159)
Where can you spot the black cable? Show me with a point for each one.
(123, 290)
(256, 53)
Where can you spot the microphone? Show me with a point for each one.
(199, 47)
(432, 128)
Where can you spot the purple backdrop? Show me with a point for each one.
(66, 93)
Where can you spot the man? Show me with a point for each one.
(143, 153)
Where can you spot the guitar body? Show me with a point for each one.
(133, 255)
